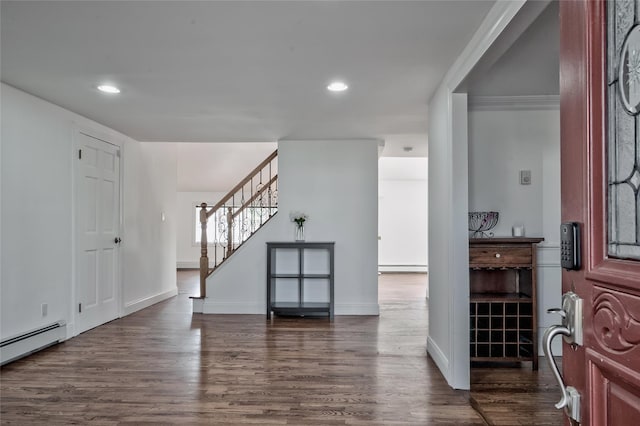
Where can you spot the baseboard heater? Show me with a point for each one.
(403, 268)
(25, 344)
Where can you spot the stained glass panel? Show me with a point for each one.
(623, 148)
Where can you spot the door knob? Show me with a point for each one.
(117, 240)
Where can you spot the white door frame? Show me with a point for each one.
(116, 140)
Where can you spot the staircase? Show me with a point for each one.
(237, 216)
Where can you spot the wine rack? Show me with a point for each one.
(503, 305)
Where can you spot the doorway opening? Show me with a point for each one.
(514, 170)
(403, 282)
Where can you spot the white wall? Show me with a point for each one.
(335, 183)
(189, 252)
(36, 211)
(448, 239)
(36, 263)
(149, 243)
(501, 143)
(440, 280)
(402, 214)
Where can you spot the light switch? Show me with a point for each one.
(525, 177)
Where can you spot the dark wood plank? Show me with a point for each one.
(515, 395)
(164, 365)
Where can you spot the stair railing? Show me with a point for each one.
(237, 216)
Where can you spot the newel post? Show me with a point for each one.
(204, 259)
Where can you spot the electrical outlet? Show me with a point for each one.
(45, 309)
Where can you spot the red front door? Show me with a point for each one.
(600, 132)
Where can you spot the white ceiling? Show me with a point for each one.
(218, 167)
(530, 66)
(227, 71)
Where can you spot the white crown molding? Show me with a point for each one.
(499, 103)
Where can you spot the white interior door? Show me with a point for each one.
(97, 232)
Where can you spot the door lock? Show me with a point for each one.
(571, 314)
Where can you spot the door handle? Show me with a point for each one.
(571, 330)
(117, 240)
(549, 335)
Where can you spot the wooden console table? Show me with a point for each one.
(503, 300)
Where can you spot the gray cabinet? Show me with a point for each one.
(300, 278)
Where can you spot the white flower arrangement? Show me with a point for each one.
(299, 218)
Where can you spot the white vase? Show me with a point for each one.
(299, 234)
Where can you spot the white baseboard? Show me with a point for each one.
(357, 309)
(71, 330)
(212, 307)
(438, 357)
(187, 265)
(403, 268)
(145, 302)
(24, 344)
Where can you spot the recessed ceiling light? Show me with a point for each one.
(107, 88)
(337, 86)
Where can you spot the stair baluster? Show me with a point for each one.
(235, 222)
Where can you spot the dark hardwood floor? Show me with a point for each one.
(163, 365)
(516, 395)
